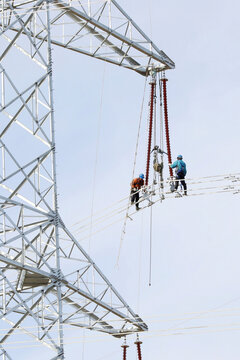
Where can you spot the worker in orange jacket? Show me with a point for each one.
(135, 188)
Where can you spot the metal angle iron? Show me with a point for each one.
(47, 280)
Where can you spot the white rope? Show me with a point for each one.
(150, 334)
(94, 180)
(202, 316)
(133, 174)
(150, 250)
(96, 158)
(140, 265)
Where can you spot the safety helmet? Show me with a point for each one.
(179, 157)
(141, 176)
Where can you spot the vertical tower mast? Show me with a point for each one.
(38, 292)
(55, 199)
(29, 210)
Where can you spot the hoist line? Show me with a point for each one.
(208, 312)
(96, 157)
(155, 174)
(156, 333)
(150, 249)
(164, 82)
(140, 265)
(218, 310)
(94, 178)
(133, 173)
(139, 129)
(201, 315)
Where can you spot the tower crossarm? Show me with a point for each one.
(123, 48)
(103, 31)
(105, 309)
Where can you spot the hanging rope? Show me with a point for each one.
(151, 114)
(139, 128)
(138, 343)
(140, 263)
(150, 249)
(96, 160)
(164, 81)
(134, 166)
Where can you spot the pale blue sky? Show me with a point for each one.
(195, 240)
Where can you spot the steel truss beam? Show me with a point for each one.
(103, 30)
(47, 280)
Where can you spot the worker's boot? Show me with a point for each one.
(185, 192)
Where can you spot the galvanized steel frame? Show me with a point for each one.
(46, 277)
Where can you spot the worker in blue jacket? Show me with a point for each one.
(181, 172)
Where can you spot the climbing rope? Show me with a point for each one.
(139, 129)
(140, 262)
(150, 250)
(123, 232)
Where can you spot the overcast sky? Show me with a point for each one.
(195, 262)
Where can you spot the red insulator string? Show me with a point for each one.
(138, 343)
(152, 94)
(164, 81)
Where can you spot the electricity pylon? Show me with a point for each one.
(47, 280)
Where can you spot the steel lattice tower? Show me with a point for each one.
(46, 278)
